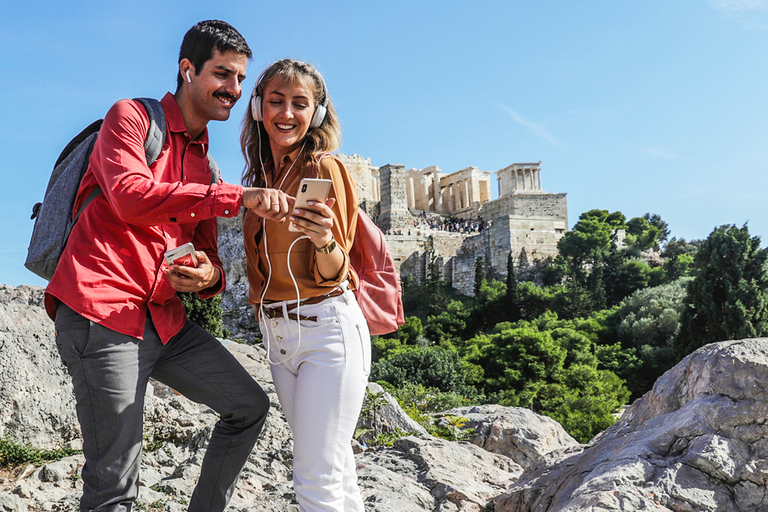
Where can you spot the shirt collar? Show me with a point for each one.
(290, 157)
(175, 121)
(286, 164)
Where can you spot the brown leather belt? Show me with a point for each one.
(277, 312)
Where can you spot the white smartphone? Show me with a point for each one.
(182, 255)
(311, 189)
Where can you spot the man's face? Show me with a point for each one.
(216, 89)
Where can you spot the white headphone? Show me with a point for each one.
(188, 78)
(317, 118)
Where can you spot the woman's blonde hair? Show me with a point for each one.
(254, 140)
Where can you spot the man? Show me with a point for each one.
(118, 320)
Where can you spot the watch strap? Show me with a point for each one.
(327, 248)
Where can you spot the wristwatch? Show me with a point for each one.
(327, 248)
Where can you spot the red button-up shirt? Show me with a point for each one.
(111, 271)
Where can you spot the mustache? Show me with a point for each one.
(226, 95)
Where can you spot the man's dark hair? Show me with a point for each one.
(200, 40)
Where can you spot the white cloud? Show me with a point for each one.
(739, 5)
(751, 14)
(535, 128)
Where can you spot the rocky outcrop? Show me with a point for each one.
(382, 414)
(518, 433)
(238, 314)
(697, 442)
(30, 368)
(418, 472)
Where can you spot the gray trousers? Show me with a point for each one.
(110, 373)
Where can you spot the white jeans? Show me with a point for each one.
(320, 380)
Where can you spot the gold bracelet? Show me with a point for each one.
(327, 248)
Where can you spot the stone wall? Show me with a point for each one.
(394, 213)
(528, 205)
(366, 177)
(525, 220)
(530, 238)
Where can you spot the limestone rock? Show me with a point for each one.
(11, 503)
(36, 400)
(382, 414)
(415, 474)
(696, 442)
(427, 473)
(518, 433)
(238, 314)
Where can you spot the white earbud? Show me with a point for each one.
(189, 79)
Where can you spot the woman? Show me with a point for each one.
(316, 337)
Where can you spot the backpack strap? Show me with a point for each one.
(153, 143)
(313, 171)
(215, 172)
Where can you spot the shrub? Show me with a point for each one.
(13, 453)
(432, 367)
(205, 312)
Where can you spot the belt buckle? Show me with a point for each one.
(272, 312)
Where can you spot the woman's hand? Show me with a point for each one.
(315, 221)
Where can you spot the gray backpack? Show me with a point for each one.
(53, 217)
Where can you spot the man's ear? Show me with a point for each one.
(186, 69)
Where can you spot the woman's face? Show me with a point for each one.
(287, 109)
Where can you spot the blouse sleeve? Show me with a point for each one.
(345, 217)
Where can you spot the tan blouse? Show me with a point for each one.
(279, 239)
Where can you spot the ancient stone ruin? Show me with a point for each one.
(427, 213)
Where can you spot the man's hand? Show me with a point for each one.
(269, 203)
(191, 279)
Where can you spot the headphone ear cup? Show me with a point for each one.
(317, 118)
(256, 108)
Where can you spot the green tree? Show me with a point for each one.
(678, 266)
(479, 274)
(437, 296)
(628, 276)
(642, 234)
(591, 236)
(727, 297)
(679, 246)
(409, 334)
(450, 325)
(206, 313)
(679, 257)
(554, 271)
(535, 300)
(648, 323)
(512, 292)
(594, 262)
(491, 306)
(553, 372)
(655, 221)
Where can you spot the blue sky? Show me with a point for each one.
(653, 106)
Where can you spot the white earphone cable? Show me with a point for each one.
(269, 262)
